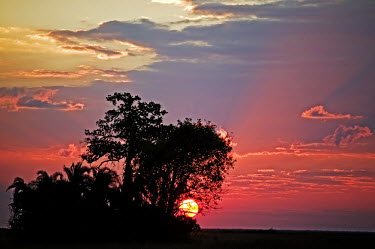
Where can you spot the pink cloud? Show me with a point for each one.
(274, 181)
(71, 151)
(15, 99)
(318, 112)
(344, 136)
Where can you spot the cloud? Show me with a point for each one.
(101, 52)
(274, 9)
(225, 135)
(175, 2)
(318, 112)
(271, 181)
(15, 99)
(72, 151)
(83, 71)
(65, 38)
(191, 43)
(140, 32)
(345, 136)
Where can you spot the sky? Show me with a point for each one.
(293, 82)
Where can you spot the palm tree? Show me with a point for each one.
(104, 187)
(19, 186)
(78, 178)
(46, 182)
(20, 204)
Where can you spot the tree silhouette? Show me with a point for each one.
(123, 133)
(104, 187)
(21, 199)
(162, 165)
(190, 161)
(79, 180)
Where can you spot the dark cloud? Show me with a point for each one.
(304, 11)
(95, 49)
(142, 31)
(65, 37)
(233, 39)
(344, 136)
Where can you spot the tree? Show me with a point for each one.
(79, 180)
(51, 203)
(190, 161)
(123, 133)
(162, 163)
(20, 204)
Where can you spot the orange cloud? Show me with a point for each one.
(318, 112)
(69, 45)
(101, 52)
(41, 73)
(15, 99)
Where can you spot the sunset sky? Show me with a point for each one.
(292, 80)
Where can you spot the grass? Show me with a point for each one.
(222, 239)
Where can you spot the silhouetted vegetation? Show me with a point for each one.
(220, 239)
(162, 165)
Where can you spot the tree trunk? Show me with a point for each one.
(172, 194)
(127, 181)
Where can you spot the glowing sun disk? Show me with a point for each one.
(189, 207)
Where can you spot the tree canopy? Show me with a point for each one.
(162, 165)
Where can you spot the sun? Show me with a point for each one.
(189, 207)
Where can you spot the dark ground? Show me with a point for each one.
(220, 239)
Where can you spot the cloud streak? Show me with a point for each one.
(82, 72)
(274, 181)
(70, 45)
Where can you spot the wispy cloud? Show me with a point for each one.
(101, 52)
(15, 99)
(319, 112)
(82, 72)
(271, 181)
(68, 44)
